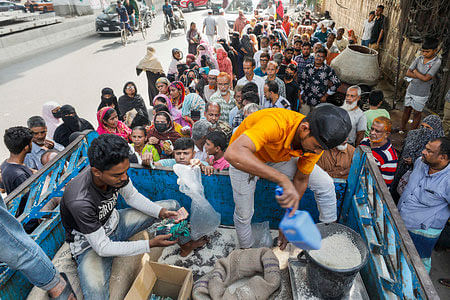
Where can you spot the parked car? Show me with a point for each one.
(108, 20)
(8, 5)
(41, 5)
(190, 5)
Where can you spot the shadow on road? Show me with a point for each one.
(163, 38)
(115, 45)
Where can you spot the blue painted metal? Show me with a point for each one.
(394, 267)
(364, 204)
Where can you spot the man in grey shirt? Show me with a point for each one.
(209, 23)
(420, 75)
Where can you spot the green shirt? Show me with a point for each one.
(372, 114)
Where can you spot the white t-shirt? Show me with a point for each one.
(367, 32)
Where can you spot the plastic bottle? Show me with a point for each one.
(300, 229)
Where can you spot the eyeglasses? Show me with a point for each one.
(130, 88)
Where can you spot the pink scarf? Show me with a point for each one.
(121, 129)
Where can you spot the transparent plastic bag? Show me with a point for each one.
(204, 219)
(261, 234)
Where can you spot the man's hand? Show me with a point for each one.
(49, 144)
(147, 158)
(408, 160)
(161, 241)
(152, 140)
(290, 197)
(164, 213)
(207, 170)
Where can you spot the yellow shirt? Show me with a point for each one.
(272, 131)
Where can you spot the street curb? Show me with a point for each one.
(21, 45)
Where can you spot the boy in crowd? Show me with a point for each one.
(215, 146)
(421, 74)
(183, 150)
(375, 100)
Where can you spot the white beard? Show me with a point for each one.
(342, 147)
(349, 107)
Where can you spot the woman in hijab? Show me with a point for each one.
(108, 99)
(177, 94)
(204, 50)
(162, 84)
(153, 69)
(190, 58)
(108, 123)
(194, 106)
(50, 120)
(431, 128)
(239, 55)
(71, 124)
(162, 134)
(193, 38)
(132, 100)
(224, 62)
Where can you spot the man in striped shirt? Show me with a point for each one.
(382, 150)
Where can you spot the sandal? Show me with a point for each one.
(65, 294)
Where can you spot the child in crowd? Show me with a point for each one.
(375, 100)
(420, 75)
(215, 146)
(146, 152)
(177, 56)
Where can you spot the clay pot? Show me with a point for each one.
(357, 64)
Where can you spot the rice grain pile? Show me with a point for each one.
(337, 251)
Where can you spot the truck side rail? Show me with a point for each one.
(43, 186)
(394, 267)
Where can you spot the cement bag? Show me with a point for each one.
(204, 219)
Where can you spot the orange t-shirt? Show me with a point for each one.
(272, 131)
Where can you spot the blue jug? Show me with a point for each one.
(300, 229)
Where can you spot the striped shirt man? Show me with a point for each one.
(386, 159)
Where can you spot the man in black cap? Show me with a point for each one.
(283, 146)
(72, 123)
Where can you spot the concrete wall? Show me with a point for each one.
(23, 44)
(353, 18)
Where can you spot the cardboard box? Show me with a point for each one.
(162, 280)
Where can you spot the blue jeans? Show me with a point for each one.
(94, 271)
(365, 43)
(20, 252)
(127, 26)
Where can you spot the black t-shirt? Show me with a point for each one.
(84, 207)
(292, 94)
(376, 29)
(14, 175)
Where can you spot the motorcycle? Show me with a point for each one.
(174, 23)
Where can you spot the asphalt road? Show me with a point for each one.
(76, 73)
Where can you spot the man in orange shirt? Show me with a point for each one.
(280, 145)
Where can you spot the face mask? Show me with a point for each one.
(72, 122)
(288, 76)
(161, 127)
(342, 147)
(349, 107)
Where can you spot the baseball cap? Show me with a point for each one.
(329, 124)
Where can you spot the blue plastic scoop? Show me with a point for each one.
(300, 229)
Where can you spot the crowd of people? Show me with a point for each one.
(270, 69)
